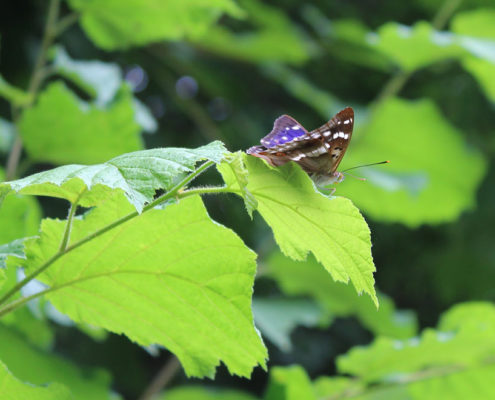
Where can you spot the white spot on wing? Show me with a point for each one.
(327, 133)
(296, 127)
(335, 135)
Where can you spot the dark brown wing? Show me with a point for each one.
(336, 135)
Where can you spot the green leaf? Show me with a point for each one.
(478, 28)
(13, 389)
(478, 23)
(40, 368)
(277, 317)
(329, 387)
(305, 221)
(470, 343)
(234, 165)
(338, 300)
(7, 134)
(14, 95)
(274, 37)
(12, 249)
(137, 174)
(101, 80)
(289, 383)
(415, 47)
(34, 328)
(204, 393)
(61, 129)
(483, 71)
(20, 216)
(169, 276)
(424, 152)
(114, 24)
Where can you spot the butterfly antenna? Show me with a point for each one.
(366, 165)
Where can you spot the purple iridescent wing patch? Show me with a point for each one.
(285, 129)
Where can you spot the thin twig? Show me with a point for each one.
(162, 378)
(35, 82)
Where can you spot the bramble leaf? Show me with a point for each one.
(305, 221)
(169, 276)
(235, 162)
(138, 175)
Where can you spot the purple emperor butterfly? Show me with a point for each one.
(318, 152)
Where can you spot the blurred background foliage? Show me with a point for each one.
(122, 75)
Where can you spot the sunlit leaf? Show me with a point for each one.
(289, 383)
(338, 300)
(278, 317)
(14, 389)
(415, 47)
(115, 24)
(170, 276)
(14, 95)
(61, 129)
(40, 368)
(478, 28)
(137, 174)
(469, 344)
(274, 38)
(204, 393)
(305, 221)
(235, 165)
(478, 23)
(429, 160)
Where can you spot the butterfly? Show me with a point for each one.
(318, 152)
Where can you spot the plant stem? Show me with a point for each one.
(444, 13)
(162, 378)
(174, 192)
(35, 82)
(68, 226)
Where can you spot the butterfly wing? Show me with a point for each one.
(318, 152)
(336, 135)
(285, 130)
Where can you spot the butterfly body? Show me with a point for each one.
(318, 152)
